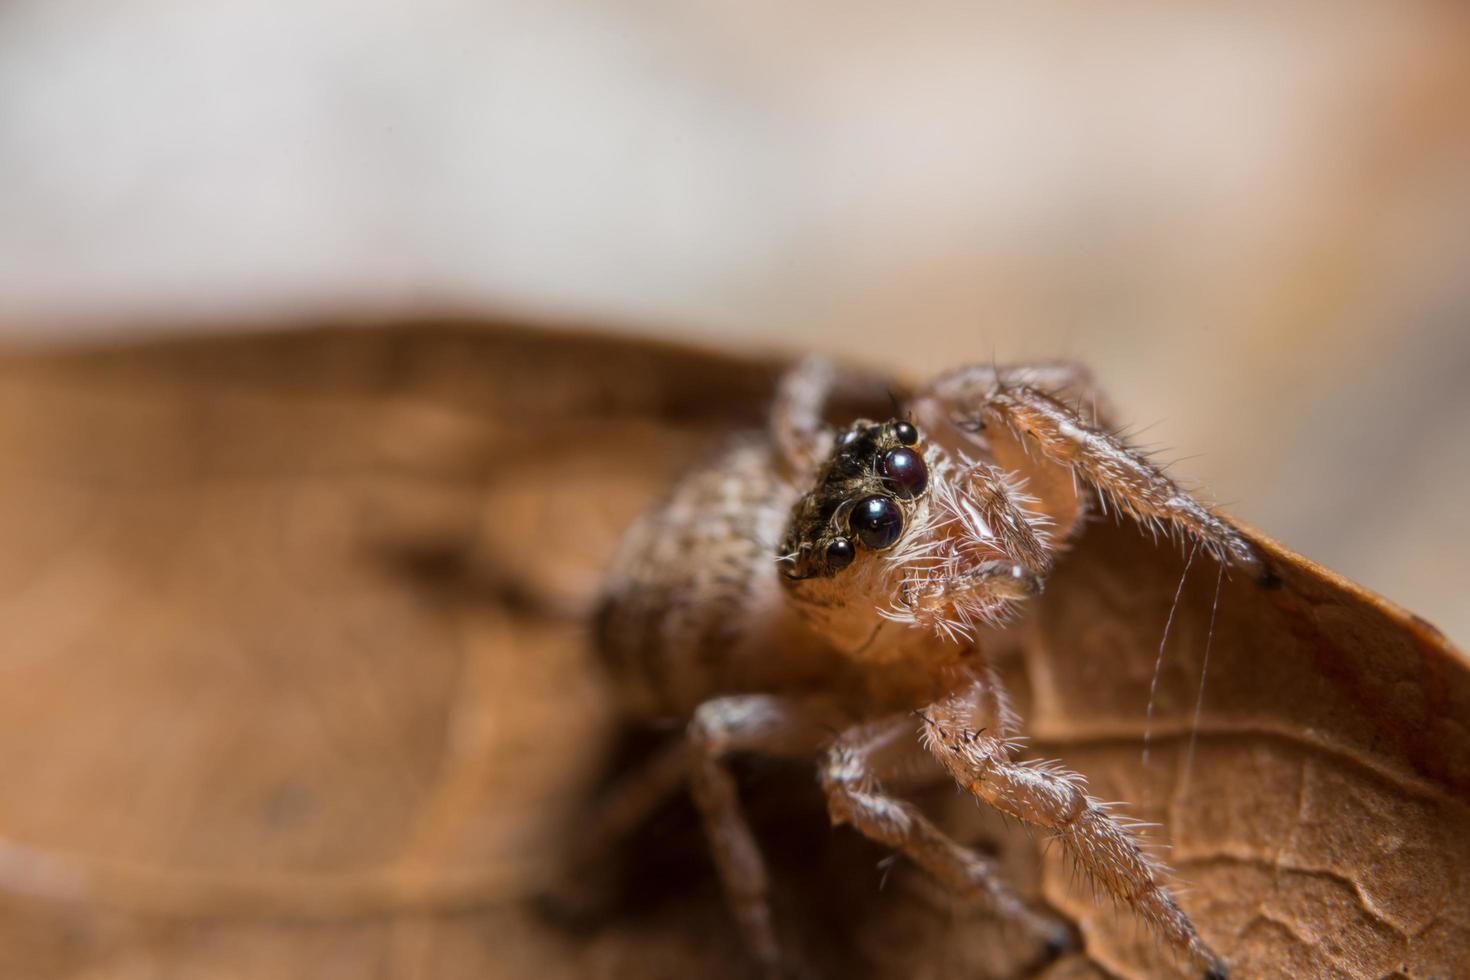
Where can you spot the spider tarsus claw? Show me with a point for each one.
(1267, 578)
(1059, 943)
(1058, 937)
(1219, 971)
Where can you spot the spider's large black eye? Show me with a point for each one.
(905, 433)
(905, 472)
(877, 522)
(840, 554)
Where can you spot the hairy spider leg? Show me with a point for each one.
(765, 724)
(1124, 477)
(853, 774)
(1105, 846)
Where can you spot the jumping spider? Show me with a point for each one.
(810, 582)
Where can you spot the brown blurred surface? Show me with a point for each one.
(297, 686)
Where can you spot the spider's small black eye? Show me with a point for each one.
(840, 554)
(905, 433)
(905, 472)
(876, 522)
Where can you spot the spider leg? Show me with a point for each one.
(996, 553)
(1072, 437)
(627, 805)
(1071, 382)
(769, 725)
(989, 504)
(953, 604)
(1046, 796)
(796, 424)
(850, 778)
(806, 392)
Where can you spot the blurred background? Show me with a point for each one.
(1253, 220)
(269, 705)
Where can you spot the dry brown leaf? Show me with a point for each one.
(295, 686)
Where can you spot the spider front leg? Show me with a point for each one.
(796, 427)
(769, 725)
(1123, 477)
(955, 731)
(963, 585)
(805, 394)
(851, 776)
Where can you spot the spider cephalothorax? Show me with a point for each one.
(865, 497)
(898, 528)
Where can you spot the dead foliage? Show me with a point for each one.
(296, 685)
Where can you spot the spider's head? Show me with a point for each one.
(885, 532)
(842, 553)
(863, 502)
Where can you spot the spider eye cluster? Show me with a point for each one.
(876, 521)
